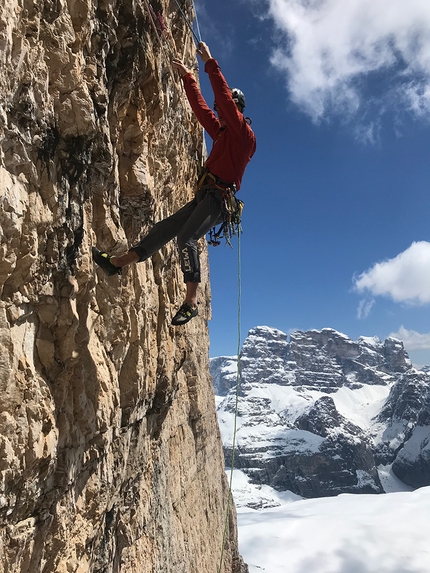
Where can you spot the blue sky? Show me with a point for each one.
(337, 203)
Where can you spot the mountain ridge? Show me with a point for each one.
(318, 414)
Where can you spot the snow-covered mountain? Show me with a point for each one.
(322, 414)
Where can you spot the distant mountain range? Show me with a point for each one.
(322, 414)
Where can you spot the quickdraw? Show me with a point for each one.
(231, 208)
(232, 225)
(160, 27)
(161, 30)
(159, 22)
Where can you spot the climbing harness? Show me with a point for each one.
(236, 409)
(231, 208)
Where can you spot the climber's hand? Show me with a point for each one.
(179, 65)
(204, 52)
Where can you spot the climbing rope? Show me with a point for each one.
(197, 20)
(160, 30)
(198, 39)
(238, 380)
(168, 49)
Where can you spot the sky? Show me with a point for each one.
(343, 534)
(336, 225)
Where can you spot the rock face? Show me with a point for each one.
(224, 374)
(110, 455)
(406, 439)
(317, 415)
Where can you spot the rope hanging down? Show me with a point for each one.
(238, 381)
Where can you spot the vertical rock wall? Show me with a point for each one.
(110, 457)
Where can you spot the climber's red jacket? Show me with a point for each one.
(234, 145)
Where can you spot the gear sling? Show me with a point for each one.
(231, 208)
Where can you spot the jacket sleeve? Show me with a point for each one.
(202, 111)
(233, 118)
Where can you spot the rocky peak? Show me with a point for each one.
(324, 358)
(264, 355)
(323, 419)
(396, 359)
(408, 400)
(224, 374)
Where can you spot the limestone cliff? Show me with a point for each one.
(110, 455)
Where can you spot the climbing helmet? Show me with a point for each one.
(238, 98)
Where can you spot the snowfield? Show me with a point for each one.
(345, 534)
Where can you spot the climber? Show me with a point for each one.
(234, 145)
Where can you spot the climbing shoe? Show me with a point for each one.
(103, 261)
(184, 314)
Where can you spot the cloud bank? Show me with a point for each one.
(339, 54)
(412, 340)
(405, 278)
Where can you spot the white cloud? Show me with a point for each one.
(406, 278)
(364, 308)
(331, 50)
(417, 95)
(368, 134)
(412, 340)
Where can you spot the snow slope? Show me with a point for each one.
(345, 534)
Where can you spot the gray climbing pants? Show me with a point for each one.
(189, 224)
